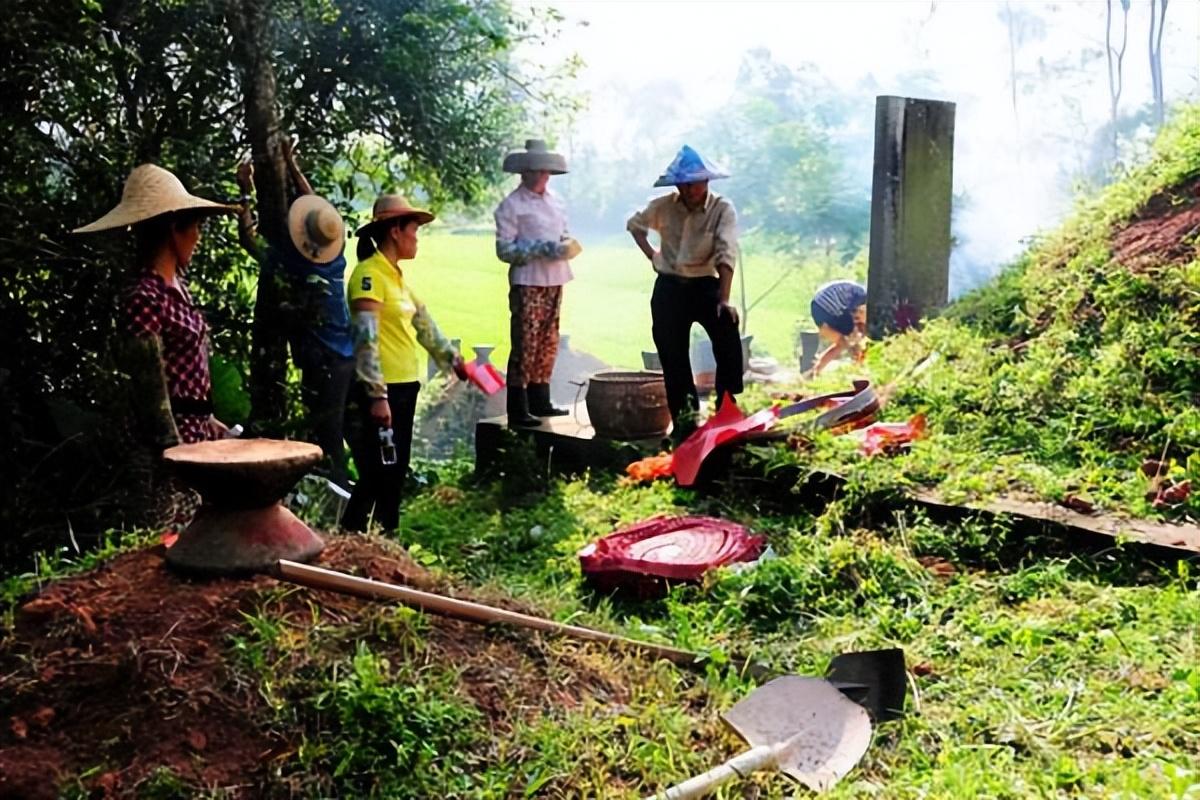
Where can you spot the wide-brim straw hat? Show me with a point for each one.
(690, 167)
(152, 191)
(535, 158)
(316, 228)
(393, 206)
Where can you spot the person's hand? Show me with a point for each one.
(381, 412)
(217, 429)
(725, 309)
(460, 368)
(245, 175)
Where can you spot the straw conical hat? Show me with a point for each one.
(534, 158)
(391, 206)
(150, 191)
(316, 228)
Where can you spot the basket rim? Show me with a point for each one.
(626, 376)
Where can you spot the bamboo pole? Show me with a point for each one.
(333, 581)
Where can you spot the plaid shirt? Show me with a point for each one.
(152, 308)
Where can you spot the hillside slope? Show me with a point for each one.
(1076, 365)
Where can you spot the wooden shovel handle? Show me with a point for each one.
(739, 766)
(331, 580)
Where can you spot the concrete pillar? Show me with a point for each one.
(909, 271)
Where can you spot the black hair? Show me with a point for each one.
(369, 240)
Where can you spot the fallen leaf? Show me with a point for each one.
(197, 740)
(938, 566)
(19, 728)
(922, 669)
(43, 716)
(42, 607)
(1080, 504)
(1152, 467)
(85, 618)
(109, 782)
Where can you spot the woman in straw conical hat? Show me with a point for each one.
(389, 322)
(158, 309)
(313, 265)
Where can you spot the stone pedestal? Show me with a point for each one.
(241, 526)
(909, 272)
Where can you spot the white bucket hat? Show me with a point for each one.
(149, 192)
(535, 158)
(316, 228)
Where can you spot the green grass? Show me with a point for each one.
(606, 309)
(1046, 676)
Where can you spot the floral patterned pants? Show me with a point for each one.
(534, 331)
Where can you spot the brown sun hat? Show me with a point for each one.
(149, 192)
(393, 206)
(316, 228)
(534, 158)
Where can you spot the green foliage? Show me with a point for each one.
(231, 401)
(426, 92)
(391, 732)
(787, 144)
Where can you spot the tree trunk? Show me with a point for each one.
(250, 26)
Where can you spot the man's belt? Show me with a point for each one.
(192, 406)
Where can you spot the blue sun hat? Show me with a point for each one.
(689, 167)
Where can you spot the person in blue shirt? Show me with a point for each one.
(312, 262)
(839, 309)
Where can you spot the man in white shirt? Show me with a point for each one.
(531, 237)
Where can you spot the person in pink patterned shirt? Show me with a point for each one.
(532, 238)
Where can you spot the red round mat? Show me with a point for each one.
(672, 548)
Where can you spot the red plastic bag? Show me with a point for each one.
(650, 468)
(890, 437)
(486, 377)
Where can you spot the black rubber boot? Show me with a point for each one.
(539, 402)
(518, 409)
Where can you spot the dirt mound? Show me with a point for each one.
(1164, 231)
(125, 669)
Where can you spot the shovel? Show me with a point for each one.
(876, 682)
(803, 727)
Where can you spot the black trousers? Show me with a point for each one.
(676, 304)
(325, 379)
(379, 486)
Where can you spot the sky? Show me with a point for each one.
(1013, 172)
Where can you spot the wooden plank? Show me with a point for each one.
(1160, 534)
(1182, 539)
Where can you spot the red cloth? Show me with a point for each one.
(727, 425)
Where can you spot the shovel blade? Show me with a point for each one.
(825, 733)
(875, 679)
